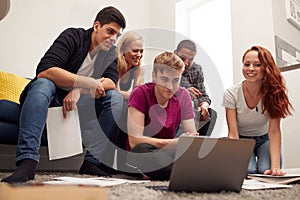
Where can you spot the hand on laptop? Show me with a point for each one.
(274, 172)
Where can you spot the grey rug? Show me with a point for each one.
(144, 192)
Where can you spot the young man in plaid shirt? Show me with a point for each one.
(193, 80)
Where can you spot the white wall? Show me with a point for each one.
(32, 25)
(282, 27)
(290, 125)
(163, 14)
(252, 24)
(159, 33)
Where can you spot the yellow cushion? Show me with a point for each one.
(11, 86)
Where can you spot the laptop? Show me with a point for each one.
(205, 164)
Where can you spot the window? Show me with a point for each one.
(200, 21)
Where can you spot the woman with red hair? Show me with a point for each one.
(255, 107)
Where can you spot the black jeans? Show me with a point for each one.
(207, 129)
(151, 161)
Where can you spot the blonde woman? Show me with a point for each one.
(130, 52)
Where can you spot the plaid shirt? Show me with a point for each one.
(193, 77)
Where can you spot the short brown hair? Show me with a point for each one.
(111, 14)
(167, 61)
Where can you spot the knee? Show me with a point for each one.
(143, 148)
(263, 165)
(43, 85)
(114, 96)
(43, 82)
(116, 101)
(212, 113)
(252, 170)
(117, 97)
(252, 166)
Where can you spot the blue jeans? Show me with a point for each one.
(43, 94)
(260, 159)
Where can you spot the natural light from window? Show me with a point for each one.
(208, 23)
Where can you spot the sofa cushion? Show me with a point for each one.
(11, 86)
(9, 133)
(9, 111)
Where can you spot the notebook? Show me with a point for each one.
(205, 164)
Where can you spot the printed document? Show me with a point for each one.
(64, 135)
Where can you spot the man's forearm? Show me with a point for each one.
(107, 83)
(63, 78)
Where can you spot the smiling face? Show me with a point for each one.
(104, 37)
(253, 69)
(134, 53)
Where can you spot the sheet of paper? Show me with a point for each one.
(127, 180)
(257, 185)
(287, 175)
(64, 135)
(98, 181)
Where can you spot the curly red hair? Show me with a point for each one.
(274, 94)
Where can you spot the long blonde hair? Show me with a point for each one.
(122, 48)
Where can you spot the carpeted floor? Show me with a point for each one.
(144, 192)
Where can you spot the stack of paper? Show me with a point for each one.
(261, 181)
(286, 179)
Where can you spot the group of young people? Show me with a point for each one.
(84, 70)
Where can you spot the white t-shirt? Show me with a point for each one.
(250, 122)
(86, 68)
